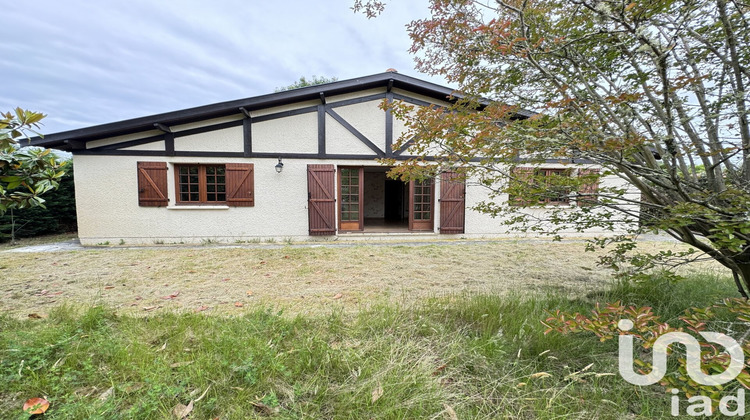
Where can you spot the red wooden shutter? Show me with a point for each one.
(240, 184)
(452, 203)
(321, 204)
(522, 175)
(590, 188)
(152, 184)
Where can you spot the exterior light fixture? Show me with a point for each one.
(279, 167)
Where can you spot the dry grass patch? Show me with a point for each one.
(232, 280)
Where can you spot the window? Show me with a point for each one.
(201, 184)
(539, 186)
(555, 192)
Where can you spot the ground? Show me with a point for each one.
(300, 279)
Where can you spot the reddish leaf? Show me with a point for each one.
(36, 406)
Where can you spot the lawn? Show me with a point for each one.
(300, 280)
(404, 332)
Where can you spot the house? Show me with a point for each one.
(293, 164)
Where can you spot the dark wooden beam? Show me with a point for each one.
(321, 129)
(169, 144)
(244, 111)
(247, 136)
(75, 144)
(162, 127)
(389, 123)
(323, 98)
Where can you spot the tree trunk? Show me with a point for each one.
(743, 272)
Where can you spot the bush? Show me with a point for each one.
(58, 215)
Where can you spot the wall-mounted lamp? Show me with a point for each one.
(279, 167)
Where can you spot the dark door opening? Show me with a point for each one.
(394, 201)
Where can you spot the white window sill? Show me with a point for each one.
(189, 207)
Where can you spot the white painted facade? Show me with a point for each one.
(107, 183)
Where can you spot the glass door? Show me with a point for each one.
(421, 208)
(351, 215)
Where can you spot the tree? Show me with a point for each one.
(654, 92)
(25, 173)
(304, 82)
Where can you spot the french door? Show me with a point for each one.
(421, 205)
(351, 211)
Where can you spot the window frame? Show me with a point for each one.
(546, 172)
(202, 184)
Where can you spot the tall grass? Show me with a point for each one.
(480, 356)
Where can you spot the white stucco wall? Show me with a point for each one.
(107, 190)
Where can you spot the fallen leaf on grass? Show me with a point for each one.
(181, 364)
(377, 393)
(249, 292)
(239, 304)
(57, 293)
(182, 411)
(450, 411)
(338, 296)
(201, 308)
(439, 369)
(150, 308)
(540, 375)
(108, 287)
(163, 347)
(35, 316)
(172, 296)
(225, 280)
(35, 406)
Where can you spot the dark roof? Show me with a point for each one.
(61, 140)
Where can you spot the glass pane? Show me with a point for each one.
(221, 179)
(183, 179)
(183, 188)
(417, 207)
(194, 197)
(193, 170)
(344, 190)
(221, 197)
(183, 170)
(193, 179)
(210, 197)
(222, 188)
(355, 190)
(211, 188)
(220, 170)
(184, 197)
(210, 170)
(211, 179)
(426, 215)
(193, 188)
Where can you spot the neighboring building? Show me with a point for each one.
(210, 173)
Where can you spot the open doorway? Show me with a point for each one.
(370, 202)
(385, 202)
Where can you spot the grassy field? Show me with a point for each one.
(301, 280)
(387, 332)
(455, 357)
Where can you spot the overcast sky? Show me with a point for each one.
(90, 62)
